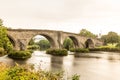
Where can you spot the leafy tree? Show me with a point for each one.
(44, 44)
(87, 33)
(104, 38)
(111, 37)
(68, 43)
(4, 40)
(1, 22)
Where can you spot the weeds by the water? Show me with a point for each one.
(27, 72)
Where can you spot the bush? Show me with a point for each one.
(80, 50)
(75, 77)
(118, 45)
(106, 49)
(57, 52)
(95, 49)
(20, 54)
(2, 51)
(25, 72)
(33, 47)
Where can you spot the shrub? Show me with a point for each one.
(20, 54)
(118, 45)
(75, 77)
(33, 47)
(111, 49)
(2, 51)
(80, 50)
(57, 52)
(26, 73)
(95, 49)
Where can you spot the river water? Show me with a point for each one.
(90, 66)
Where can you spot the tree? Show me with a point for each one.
(87, 33)
(111, 37)
(104, 39)
(1, 22)
(68, 43)
(4, 40)
(44, 44)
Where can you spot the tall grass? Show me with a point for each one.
(27, 72)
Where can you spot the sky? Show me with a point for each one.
(97, 16)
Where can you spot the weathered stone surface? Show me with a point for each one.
(21, 38)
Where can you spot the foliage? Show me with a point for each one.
(44, 44)
(68, 43)
(2, 51)
(19, 54)
(75, 77)
(118, 45)
(106, 48)
(111, 37)
(27, 72)
(33, 47)
(87, 33)
(1, 22)
(80, 50)
(57, 52)
(31, 42)
(4, 40)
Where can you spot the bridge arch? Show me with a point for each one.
(73, 39)
(12, 40)
(49, 38)
(89, 43)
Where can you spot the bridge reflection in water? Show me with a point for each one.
(106, 67)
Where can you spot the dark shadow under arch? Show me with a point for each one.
(74, 40)
(89, 43)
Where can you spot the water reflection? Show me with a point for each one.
(106, 67)
(56, 63)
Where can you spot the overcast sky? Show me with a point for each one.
(97, 16)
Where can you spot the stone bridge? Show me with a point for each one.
(21, 37)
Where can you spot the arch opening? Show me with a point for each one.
(70, 42)
(89, 43)
(11, 40)
(41, 42)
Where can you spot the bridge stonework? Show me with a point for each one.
(21, 38)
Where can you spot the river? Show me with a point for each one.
(90, 66)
